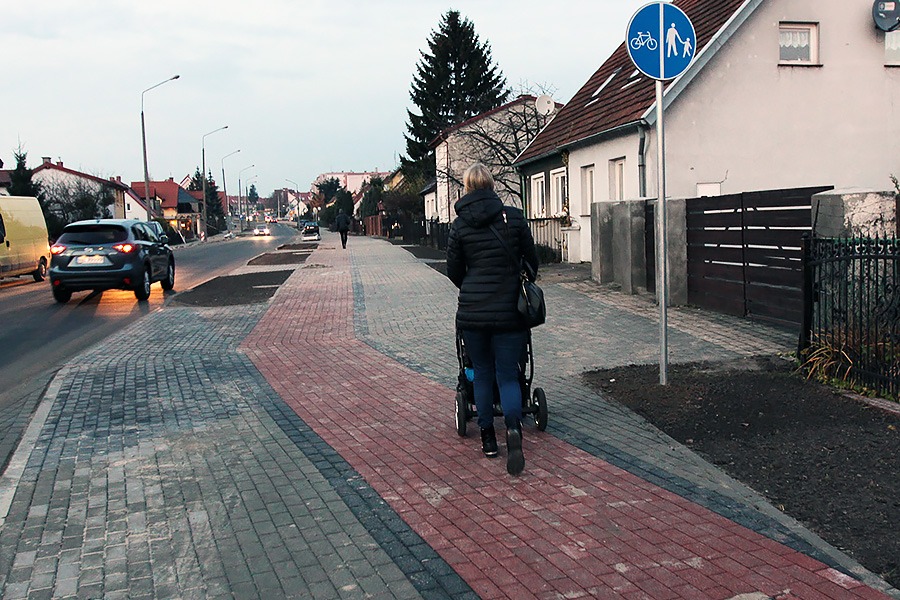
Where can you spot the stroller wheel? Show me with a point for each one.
(540, 417)
(461, 416)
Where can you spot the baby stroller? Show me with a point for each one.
(533, 404)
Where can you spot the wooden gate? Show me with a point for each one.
(744, 252)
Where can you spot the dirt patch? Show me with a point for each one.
(311, 246)
(828, 461)
(280, 258)
(231, 290)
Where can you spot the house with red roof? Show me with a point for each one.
(177, 205)
(55, 175)
(781, 94)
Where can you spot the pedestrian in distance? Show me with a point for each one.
(342, 224)
(495, 336)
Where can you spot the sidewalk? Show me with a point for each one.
(307, 448)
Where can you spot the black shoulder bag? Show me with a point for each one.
(531, 297)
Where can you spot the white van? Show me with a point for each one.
(24, 245)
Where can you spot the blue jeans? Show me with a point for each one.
(495, 357)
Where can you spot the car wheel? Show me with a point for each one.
(40, 273)
(169, 282)
(142, 291)
(61, 295)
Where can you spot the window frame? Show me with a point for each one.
(538, 183)
(810, 27)
(617, 179)
(558, 187)
(588, 194)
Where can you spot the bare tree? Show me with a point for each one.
(495, 140)
(77, 200)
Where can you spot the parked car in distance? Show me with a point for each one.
(24, 246)
(103, 254)
(261, 229)
(310, 233)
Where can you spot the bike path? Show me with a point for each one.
(306, 448)
(574, 525)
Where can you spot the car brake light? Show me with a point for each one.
(125, 248)
(57, 249)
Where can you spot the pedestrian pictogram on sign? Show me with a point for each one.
(661, 40)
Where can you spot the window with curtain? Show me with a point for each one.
(798, 43)
(892, 48)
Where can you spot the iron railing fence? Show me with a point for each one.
(851, 308)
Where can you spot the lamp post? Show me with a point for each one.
(224, 187)
(240, 190)
(203, 153)
(298, 201)
(144, 144)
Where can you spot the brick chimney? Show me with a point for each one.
(46, 160)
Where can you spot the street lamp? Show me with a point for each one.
(298, 201)
(224, 187)
(240, 190)
(203, 152)
(144, 144)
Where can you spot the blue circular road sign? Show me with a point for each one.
(661, 40)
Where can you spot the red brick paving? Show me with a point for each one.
(571, 526)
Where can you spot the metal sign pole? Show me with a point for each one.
(662, 267)
(663, 57)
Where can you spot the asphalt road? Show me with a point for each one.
(37, 335)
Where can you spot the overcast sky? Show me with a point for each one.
(305, 86)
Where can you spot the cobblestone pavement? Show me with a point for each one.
(306, 447)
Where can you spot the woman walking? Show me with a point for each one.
(484, 239)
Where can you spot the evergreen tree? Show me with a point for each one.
(20, 180)
(372, 198)
(455, 81)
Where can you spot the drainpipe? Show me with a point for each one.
(643, 127)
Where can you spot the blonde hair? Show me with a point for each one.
(477, 177)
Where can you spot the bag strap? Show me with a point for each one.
(506, 247)
(525, 269)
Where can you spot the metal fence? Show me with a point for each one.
(547, 235)
(851, 308)
(549, 239)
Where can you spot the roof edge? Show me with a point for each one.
(731, 26)
(585, 141)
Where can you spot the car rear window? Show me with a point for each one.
(92, 234)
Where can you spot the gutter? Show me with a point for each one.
(643, 128)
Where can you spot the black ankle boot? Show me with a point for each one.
(489, 442)
(515, 460)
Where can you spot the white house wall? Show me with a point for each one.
(747, 123)
(598, 155)
(751, 124)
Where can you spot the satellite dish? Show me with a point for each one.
(544, 104)
(886, 14)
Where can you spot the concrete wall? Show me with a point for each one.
(619, 246)
(845, 213)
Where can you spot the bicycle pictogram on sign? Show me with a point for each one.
(643, 38)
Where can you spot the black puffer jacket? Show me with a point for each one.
(481, 268)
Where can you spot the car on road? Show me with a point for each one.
(261, 229)
(104, 254)
(310, 233)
